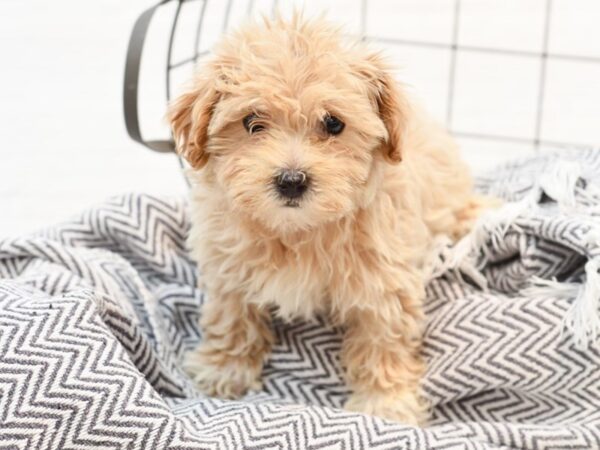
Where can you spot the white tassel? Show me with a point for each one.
(560, 182)
(436, 256)
(465, 256)
(443, 257)
(593, 237)
(540, 287)
(582, 318)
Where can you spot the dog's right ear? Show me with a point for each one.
(189, 116)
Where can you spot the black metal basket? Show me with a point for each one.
(206, 17)
(134, 59)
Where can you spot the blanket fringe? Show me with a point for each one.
(471, 253)
(560, 183)
(558, 289)
(466, 255)
(582, 318)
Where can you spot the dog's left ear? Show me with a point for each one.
(390, 104)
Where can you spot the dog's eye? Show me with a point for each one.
(333, 125)
(250, 124)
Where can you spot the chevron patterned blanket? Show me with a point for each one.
(96, 313)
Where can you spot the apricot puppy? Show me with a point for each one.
(317, 188)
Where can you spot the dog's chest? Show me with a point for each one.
(296, 288)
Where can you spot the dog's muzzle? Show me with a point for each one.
(291, 184)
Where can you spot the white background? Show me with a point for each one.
(63, 144)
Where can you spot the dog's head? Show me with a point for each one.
(293, 124)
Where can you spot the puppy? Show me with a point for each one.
(317, 188)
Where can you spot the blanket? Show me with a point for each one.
(97, 313)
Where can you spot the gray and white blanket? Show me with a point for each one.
(96, 314)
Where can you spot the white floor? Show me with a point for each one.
(63, 144)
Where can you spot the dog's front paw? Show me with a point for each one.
(402, 406)
(222, 375)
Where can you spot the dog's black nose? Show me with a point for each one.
(291, 183)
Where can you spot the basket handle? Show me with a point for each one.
(130, 87)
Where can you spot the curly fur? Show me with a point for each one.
(380, 192)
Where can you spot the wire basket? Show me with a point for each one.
(212, 17)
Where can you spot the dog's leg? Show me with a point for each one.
(236, 340)
(381, 354)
